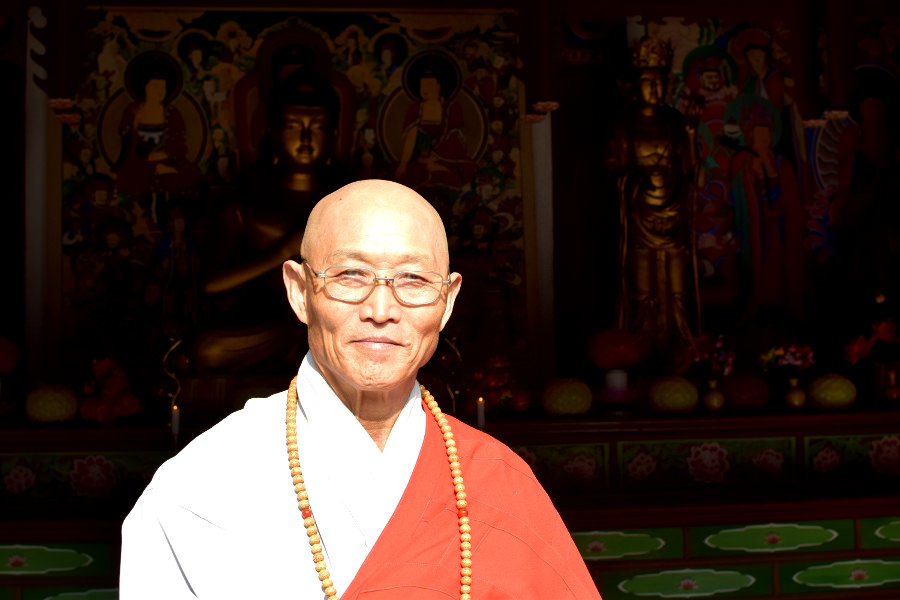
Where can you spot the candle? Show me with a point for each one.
(176, 420)
(617, 386)
(480, 405)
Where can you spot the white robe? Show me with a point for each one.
(220, 519)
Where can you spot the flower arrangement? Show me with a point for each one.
(792, 357)
(709, 355)
(883, 333)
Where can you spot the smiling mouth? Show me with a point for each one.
(379, 341)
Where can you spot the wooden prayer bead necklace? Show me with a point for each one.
(315, 541)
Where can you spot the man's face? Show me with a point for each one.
(377, 344)
(305, 136)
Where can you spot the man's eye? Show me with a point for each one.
(411, 279)
(357, 276)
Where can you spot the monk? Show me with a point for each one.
(353, 483)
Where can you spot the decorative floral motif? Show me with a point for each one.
(708, 462)
(769, 460)
(826, 460)
(16, 560)
(596, 547)
(546, 106)
(688, 584)
(643, 465)
(885, 455)
(581, 467)
(92, 476)
(859, 575)
(19, 479)
(772, 538)
(542, 109)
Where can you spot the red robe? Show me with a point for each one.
(520, 547)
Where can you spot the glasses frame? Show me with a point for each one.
(389, 281)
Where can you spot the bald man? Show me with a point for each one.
(353, 483)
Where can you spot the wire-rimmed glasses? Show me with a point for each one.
(355, 284)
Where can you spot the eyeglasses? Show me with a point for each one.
(355, 284)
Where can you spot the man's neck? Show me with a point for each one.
(376, 411)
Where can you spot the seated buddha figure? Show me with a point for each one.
(250, 325)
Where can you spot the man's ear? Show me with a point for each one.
(452, 292)
(295, 286)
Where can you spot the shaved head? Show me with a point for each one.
(379, 200)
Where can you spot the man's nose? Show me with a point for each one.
(382, 303)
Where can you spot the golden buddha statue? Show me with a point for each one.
(653, 160)
(250, 325)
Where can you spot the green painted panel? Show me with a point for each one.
(70, 594)
(51, 560)
(770, 538)
(7, 593)
(872, 458)
(711, 462)
(90, 477)
(714, 582)
(629, 544)
(844, 575)
(581, 467)
(880, 533)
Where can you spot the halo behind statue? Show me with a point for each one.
(153, 65)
